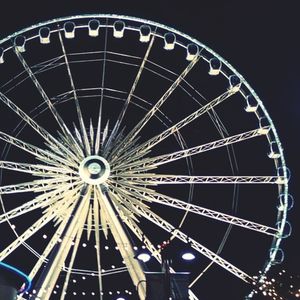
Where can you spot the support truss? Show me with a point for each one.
(152, 179)
(132, 90)
(35, 186)
(41, 154)
(157, 220)
(166, 158)
(55, 145)
(35, 169)
(142, 149)
(37, 203)
(79, 113)
(173, 202)
(72, 144)
(134, 132)
(39, 224)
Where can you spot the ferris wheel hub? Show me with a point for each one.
(94, 170)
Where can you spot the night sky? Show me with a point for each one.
(259, 38)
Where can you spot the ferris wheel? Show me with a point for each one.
(119, 133)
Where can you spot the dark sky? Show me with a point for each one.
(259, 38)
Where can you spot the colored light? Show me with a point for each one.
(27, 280)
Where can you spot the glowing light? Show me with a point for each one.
(188, 256)
(144, 257)
(26, 287)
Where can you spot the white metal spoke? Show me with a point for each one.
(132, 90)
(134, 132)
(173, 202)
(166, 158)
(98, 135)
(154, 218)
(39, 224)
(59, 195)
(140, 150)
(34, 169)
(72, 142)
(35, 186)
(79, 113)
(154, 252)
(152, 179)
(105, 132)
(36, 203)
(137, 230)
(59, 191)
(130, 196)
(54, 143)
(143, 238)
(124, 207)
(43, 155)
(91, 134)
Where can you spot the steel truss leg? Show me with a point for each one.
(125, 247)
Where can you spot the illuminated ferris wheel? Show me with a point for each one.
(119, 133)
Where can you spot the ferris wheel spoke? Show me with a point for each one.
(124, 207)
(43, 155)
(135, 228)
(134, 132)
(160, 222)
(98, 135)
(167, 158)
(72, 142)
(173, 202)
(54, 144)
(34, 169)
(55, 266)
(142, 149)
(143, 238)
(38, 225)
(56, 237)
(35, 186)
(59, 191)
(79, 113)
(153, 179)
(36, 203)
(130, 196)
(132, 90)
(20, 210)
(91, 134)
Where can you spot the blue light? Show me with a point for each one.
(19, 273)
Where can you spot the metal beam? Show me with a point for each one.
(134, 268)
